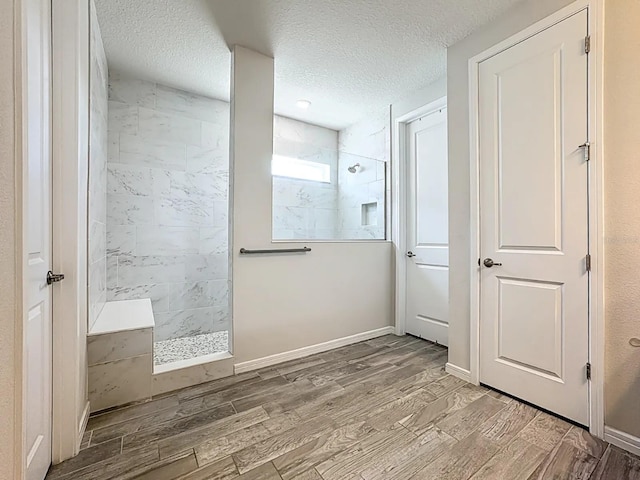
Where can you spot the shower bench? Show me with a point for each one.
(120, 354)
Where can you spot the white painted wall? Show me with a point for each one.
(10, 347)
(287, 302)
(622, 222)
(458, 55)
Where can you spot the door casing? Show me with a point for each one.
(401, 202)
(595, 10)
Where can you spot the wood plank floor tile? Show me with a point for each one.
(383, 409)
(266, 450)
(336, 373)
(410, 460)
(218, 447)
(272, 395)
(616, 465)
(507, 423)
(354, 355)
(545, 431)
(399, 410)
(224, 469)
(237, 381)
(392, 355)
(388, 340)
(302, 397)
(583, 440)
(369, 401)
(420, 422)
(124, 414)
(354, 398)
(264, 472)
(373, 450)
(444, 385)
(307, 456)
(464, 421)
(237, 392)
(364, 375)
(175, 427)
(462, 461)
(516, 461)
(89, 456)
(565, 461)
(151, 420)
(282, 421)
(315, 370)
(170, 468)
(308, 475)
(499, 396)
(291, 366)
(118, 466)
(394, 375)
(430, 374)
(189, 439)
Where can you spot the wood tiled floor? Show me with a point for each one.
(378, 410)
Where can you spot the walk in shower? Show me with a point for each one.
(159, 206)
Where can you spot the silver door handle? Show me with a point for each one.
(488, 262)
(410, 254)
(54, 277)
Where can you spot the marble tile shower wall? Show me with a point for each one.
(167, 205)
(304, 209)
(367, 143)
(97, 261)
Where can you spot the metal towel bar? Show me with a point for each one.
(244, 251)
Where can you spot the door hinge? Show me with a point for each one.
(587, 261)
(588, 369)
(587, 150)
(587, 44)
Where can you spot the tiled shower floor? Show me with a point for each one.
(185, 348)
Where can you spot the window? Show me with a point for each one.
(300, 169)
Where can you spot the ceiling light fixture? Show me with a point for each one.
(303, 104)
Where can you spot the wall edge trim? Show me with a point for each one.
(459, 372)
(311, 349)
(621, 439)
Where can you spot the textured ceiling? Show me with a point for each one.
(348, 57)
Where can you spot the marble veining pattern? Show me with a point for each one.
(98, 153)
(167, 184)
(326, 211)
(367, 143)
(184, 348)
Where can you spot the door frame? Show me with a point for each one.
(595, 9)
(400, 213)
(70, 150)
(69, 412)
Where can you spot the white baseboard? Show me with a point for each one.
(83, 424)
(310, 350)
(623, 440)
(456, 371)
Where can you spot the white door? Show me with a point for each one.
(428, 229)
(533, 220)
(37, 239)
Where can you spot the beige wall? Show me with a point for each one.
(285, 302)
(7, 244)
(622, 215)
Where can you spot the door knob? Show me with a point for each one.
(488, 262)
(54, 277)
(410, 254)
